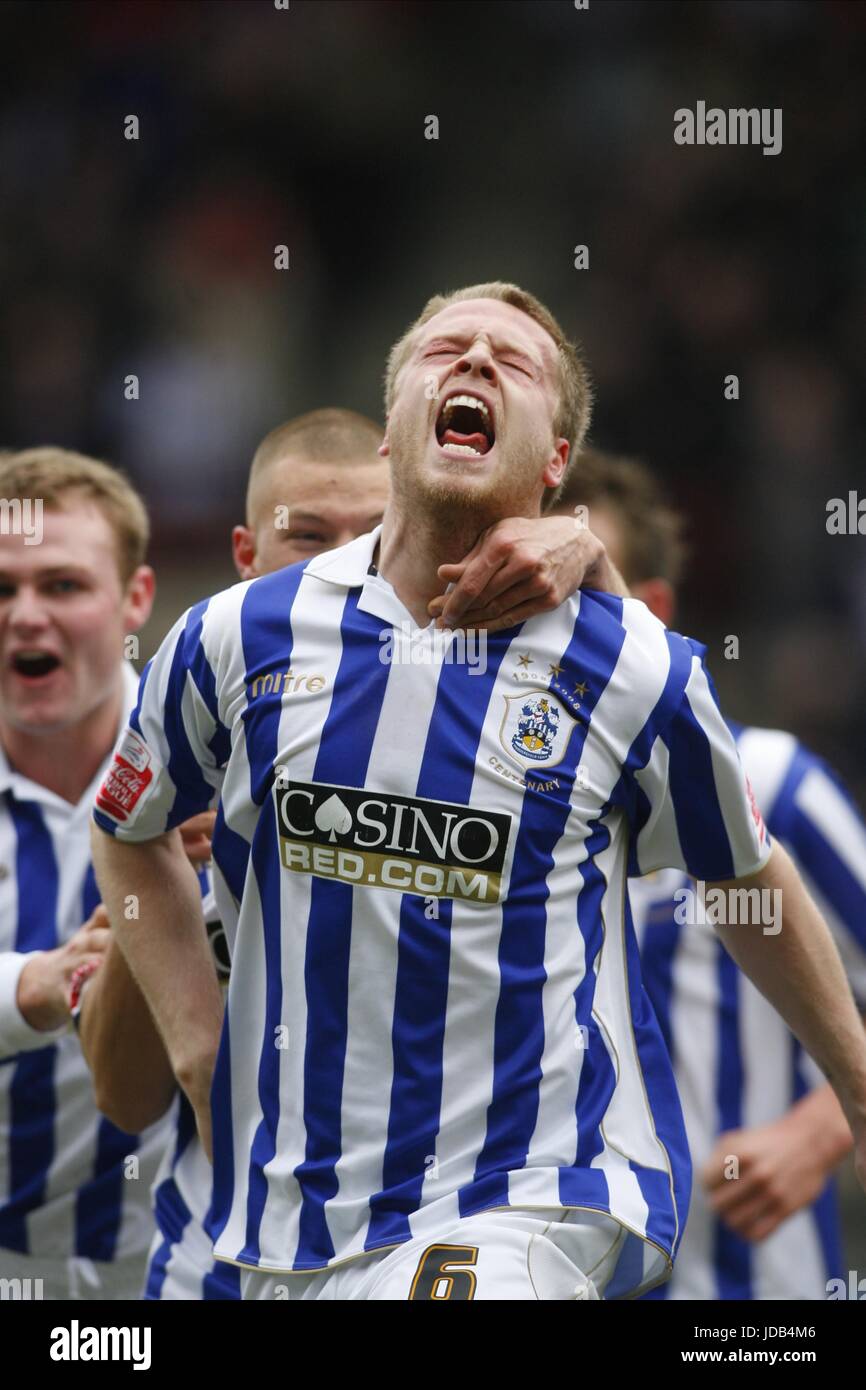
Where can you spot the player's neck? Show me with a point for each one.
(65, 760)
(412, 548)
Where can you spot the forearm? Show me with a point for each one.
(132, 1076)
(820, 1120)
(799, 971)
(20, 1025)
(165, 945)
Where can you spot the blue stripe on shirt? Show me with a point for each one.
(205, 682)
(266, 633)
(99, 1202)
(825, 1211)
(172, 1218)
(90, 895)
(700, 824)
(665, 1226)
(519, 1033)
(193, 793)
(222, 1284)
(424, 954)
(597, 1072)
(231, 854)
(732, 1256)
(32, 1098)
(342, 758)
(628, 791)
(170, 1210)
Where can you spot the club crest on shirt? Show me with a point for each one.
(536, 729)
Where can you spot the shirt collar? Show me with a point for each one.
(26, 790)
(348, 565)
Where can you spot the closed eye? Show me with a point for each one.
(442, 347)
(519, 365)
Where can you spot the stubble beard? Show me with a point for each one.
(441, 500)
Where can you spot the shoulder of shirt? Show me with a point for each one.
(603, 607)
(645, 648)
(627, 612)
(776, 743)
(648, 642)
(763, 748)
(632, 614)
(227, 603)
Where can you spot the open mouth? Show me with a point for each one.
(34, 665)
(465, 426)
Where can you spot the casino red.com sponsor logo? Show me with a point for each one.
(376, 839)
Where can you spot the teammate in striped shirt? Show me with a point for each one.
(315, 483)
(74, 1190)
(439, 1075)
(746, 1085)
(321, 474)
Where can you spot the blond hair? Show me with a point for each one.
(53, 475)
(575, 390)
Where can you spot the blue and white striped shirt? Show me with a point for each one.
(71, 1184)
(182, 1264)
(435, 1006)
(736, 1063)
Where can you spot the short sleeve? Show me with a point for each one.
(694, 808)
(169, 761)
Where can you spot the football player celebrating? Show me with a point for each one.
(316, 482)
(439, 1075)
(74, 1189)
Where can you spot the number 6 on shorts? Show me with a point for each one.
(436, 1276)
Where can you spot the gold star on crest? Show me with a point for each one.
(581, 689)
(524, 660)
(555, 669)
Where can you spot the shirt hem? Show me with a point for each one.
(644, 1287)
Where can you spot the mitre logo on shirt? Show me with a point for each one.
(127, 779)
(410, 844)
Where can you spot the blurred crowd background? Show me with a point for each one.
(261, 126)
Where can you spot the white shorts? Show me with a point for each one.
(496, 1255)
